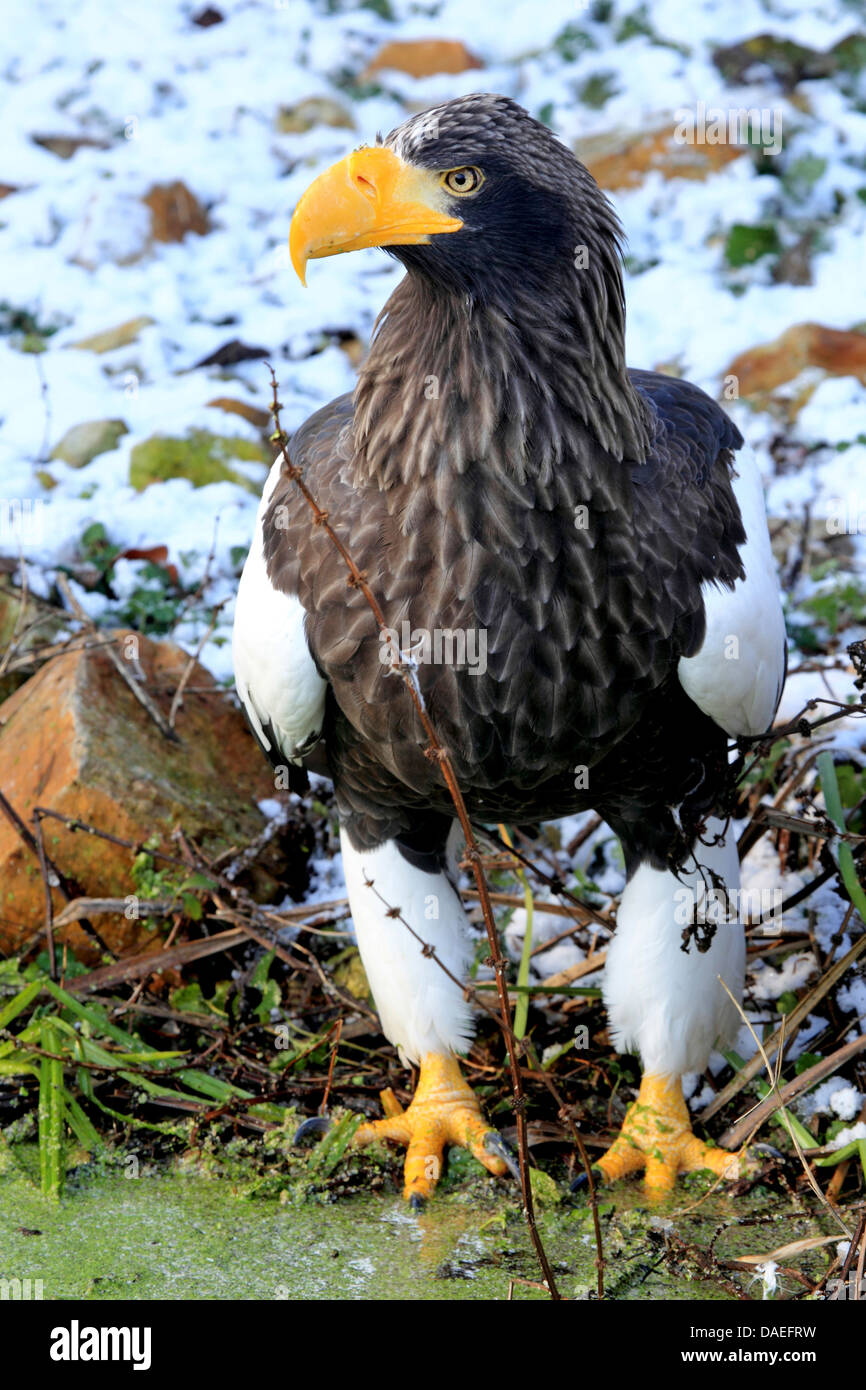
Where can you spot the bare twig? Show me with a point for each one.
(856, 1240)
(405, 669)
(19, 616)
(134, 967)
(774, 1086)
(577, 971)
(565, 1114)
(99, 907)
(120, 666)
(51, 877)
(191, 663)
(37, 656)
(735, 1135)
(49, 881)
(796, 1016)
(336, 1030)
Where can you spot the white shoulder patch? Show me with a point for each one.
(737, 676)
(275, 674)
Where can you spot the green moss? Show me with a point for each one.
(193, 1233)
(850, 53)
(747, 244)
(597, 90)
(200, 456)
(572, 41)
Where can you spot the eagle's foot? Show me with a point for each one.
(442, 1111)
(656, 1136)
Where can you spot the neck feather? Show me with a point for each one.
(450, 382)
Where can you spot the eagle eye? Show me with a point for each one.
(463, 181)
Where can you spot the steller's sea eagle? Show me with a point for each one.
(598, 534)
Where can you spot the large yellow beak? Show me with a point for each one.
(371, 198)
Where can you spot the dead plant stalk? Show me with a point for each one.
(405, 669)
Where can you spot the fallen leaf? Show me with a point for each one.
(174, 211)
(111, 338)
(311, 112)
(423, 57)
(200, 456)
(155, 554)
(86, 441)
(229, 353)
(256, 416)
(65, 146)
(787, 1252)
(207, 17)
(623, 158)
(840, 352)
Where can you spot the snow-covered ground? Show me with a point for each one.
(174, 101)
(165, 99)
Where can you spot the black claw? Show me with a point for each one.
(495, 1144)
(316, 1124)
(769, 1149)
(417, 1202)
(582, 1181)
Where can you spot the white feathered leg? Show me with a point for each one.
(663, 1001)
(668, 1003)
(423, 1011)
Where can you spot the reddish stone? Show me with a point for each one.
(75, 739)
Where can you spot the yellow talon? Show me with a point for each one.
(443, 1111)
(657, 1136)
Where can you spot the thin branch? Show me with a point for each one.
(774, 1086)
(789, 1025)
(734, 1136)
(190, 665)
(120, 666)
(20, 615)
(438, 755)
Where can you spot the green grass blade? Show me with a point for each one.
(833, 802)
(782, 1116)
(85, 1086)
(567, 991)
(201, 1082)
(521, 1008)
(17, 1063)
(838, 1155)
(330, 1149)
(21, 1001)
(212, 1086)
(51, 1167)
(95, 1016)
(85, 1132)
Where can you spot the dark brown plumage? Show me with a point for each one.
(461, 505)
(498, 473)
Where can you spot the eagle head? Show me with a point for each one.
(476, 197)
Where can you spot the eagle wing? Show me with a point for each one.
(735, 670)
(737, 675)
(279, 684)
